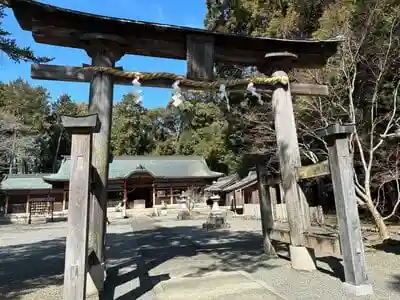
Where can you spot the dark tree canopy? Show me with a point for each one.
(15, 52)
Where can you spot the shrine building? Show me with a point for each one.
(145, 181)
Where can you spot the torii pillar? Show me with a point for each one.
(278, 64)
(351, 241)
(76, 249)
(104, 51)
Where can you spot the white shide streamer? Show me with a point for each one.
(223, 95)
(138, 91)
(177, 96)
(252, 89)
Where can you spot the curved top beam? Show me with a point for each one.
(63, 27)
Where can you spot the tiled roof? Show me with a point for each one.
(222, 182)
(250, 179)
(24, 182)
(157, 166)
(121, 167)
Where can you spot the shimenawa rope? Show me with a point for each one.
(229, 83)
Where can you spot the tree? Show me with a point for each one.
(131, 132)
(28, 106)
(60, 138)
(9, 46)
(201, 129)
(363, 80)
(10, 135)
(367, 86)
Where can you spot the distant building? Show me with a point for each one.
(145, 181)
(236, 192)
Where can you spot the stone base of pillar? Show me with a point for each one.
(357, 290)
(95, 280)
(302, 258)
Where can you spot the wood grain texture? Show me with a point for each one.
(100, 102)
(78, 219)
(200, 57)
(314, 170)
(289, 158)
(347, 212)
(267, 219)
(60, 27)
(273, 193)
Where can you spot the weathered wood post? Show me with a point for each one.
(104, 51)
(6, 205)
(171, 196)
(266, 211)
(78, 205)
(64, 201)
(301, 257)
(341, 165)
(273, 192)
(125, 199)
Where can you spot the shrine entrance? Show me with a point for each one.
(106, 40)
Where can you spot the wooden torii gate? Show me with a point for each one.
(106, 40)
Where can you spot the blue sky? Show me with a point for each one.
(175, 12)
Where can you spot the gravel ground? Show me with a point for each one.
(146, 251)
(383, 265)
(32, 260)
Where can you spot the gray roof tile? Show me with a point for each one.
(222, 182)
(24, 182)
(158, 166)
(250, 179)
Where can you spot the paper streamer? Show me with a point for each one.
(177, 96)
(224, 96)
(138, 91)
(252, 89)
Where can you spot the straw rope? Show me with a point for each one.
(183, 81)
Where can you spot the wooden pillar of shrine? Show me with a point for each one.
(267, 219)
(125, 199)
(351, 242)
(6, 204)
(64, 201)
(28, 204)
(273, 192)
(104, 52)
(278, 64)
(76, 253)
(154, 195)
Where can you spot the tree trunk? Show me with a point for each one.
(379, 222)
(12, 156)
(57, 150)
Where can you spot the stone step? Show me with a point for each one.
(217, 285)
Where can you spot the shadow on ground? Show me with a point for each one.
(134, 255)
(156, 246)
(395, 283)
(389, 246)
(25, 268)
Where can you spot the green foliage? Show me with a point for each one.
(31, 135)
(9, 46)
(132, 128)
